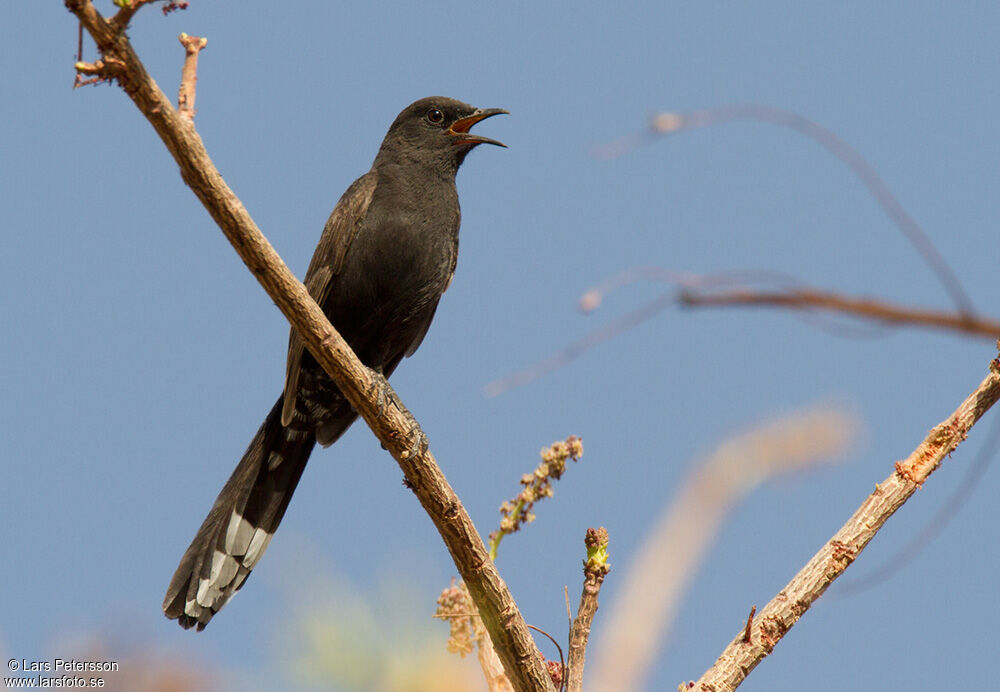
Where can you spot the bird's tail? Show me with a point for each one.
(237, 530)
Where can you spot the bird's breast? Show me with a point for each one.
(394, 273)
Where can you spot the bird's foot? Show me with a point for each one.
(418, 443)
(380, 386)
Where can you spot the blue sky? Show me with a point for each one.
(138, 355)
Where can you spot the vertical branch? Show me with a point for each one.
(189, 74)
(595, 568)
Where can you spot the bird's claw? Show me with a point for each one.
(418, 444)
(379, 385)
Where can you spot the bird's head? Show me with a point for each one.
(435, 131)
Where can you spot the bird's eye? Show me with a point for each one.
(434, 115)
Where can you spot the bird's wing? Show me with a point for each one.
(427, 322)
(327, 262)
(422, 333)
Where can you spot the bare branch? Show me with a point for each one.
(189, 74)
(862, 307)
(705, 290)
(595, 568)
(666, 123)
(395, 428)
(781, 614)
(946, 512)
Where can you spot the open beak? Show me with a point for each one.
(460, 128)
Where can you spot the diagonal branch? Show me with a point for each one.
(656, 580)
(395, 427)
(781, 614)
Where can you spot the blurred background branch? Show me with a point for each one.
(791, 603)
(655, 581)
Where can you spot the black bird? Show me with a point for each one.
(386, 255)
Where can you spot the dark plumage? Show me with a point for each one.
(386, 256)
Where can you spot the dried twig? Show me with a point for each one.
(748, 631)
(189, 74)
(863, 307)
(781, 614)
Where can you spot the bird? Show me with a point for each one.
(386, 255)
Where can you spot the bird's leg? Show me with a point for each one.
(380, 385)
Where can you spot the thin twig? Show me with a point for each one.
(77, 79)
(667, 123)
(189, 74)
(781, 614)
(561, 683)
(569, 612)
(748, 632)
(370, 396)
